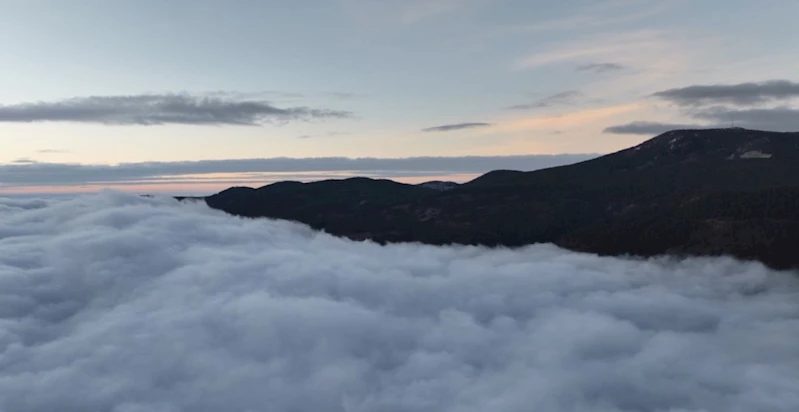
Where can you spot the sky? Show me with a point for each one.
(92, 84)
(117, 302)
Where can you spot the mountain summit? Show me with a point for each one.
(685, 192)
(716, 144)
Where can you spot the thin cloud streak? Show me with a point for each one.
(596, 15)
(600, 68)
(52, 151)
(161, 109)
(457, 126)
(564, 98)
(15, 175)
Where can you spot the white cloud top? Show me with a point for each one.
(112, 302)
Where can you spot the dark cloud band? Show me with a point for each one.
(736, 94)
(160, 109)
(649, 128)
(779, 119)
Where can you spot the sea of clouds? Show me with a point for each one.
(114, 302)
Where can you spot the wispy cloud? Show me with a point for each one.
(52, 151)
(329, 134)
(343, 95)
(736, 94)
(600, 67)
(564, 98)
(566, 120)
(650, 57)
(596, 15)
(160, 109)
(264, 94)
(457, 126)
(28, 174)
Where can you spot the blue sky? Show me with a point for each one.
(375, 78)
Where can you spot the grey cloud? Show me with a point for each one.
(52, 151)
(159, 109)
(564, 98)
(736, 94)
(458, 126)
(290, 168)
(175, 307)
(780, 119)
(649, 128)
(600, 67)
(776, 119)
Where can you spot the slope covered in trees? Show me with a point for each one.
(686, 192)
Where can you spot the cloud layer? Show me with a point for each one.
(160, 109)
(751, 105)
(735, 94)
(649, 128)
(113, 302)
(782, 119)
(72, 174)
(457, 126)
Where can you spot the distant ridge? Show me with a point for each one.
(730, 191)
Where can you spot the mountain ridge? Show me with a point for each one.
(685, 192)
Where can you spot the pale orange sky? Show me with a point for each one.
(130, 82)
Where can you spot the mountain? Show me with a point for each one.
(686, 192)
(439, 185)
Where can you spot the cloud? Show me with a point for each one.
(780, 119)
(600, 67)
(160, 109)
(344, 95)
(627, 48)
(254, 95)
(52, 151)
(594, 15)
(742, 94)
(649, 128)
(457, 126)
(329, 134)
(563, 98)
(254, 170)
(117, 302)
(776, 119)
